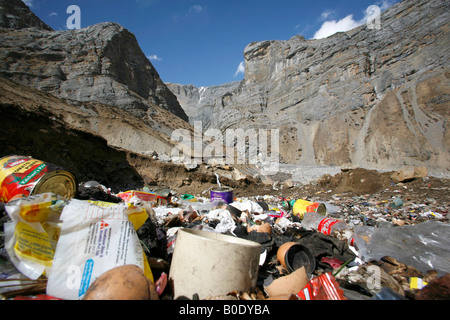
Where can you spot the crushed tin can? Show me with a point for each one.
(23, 176)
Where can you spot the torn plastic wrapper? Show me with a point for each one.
(158, 198)
(163, 213)
(324, 287)
(224, 216)
(248, 205)
(282, 224)
(32, 235)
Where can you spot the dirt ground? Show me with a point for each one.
(354, 184)
(90, 158)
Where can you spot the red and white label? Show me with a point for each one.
(326, 224)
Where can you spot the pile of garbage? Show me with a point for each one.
(219, 247)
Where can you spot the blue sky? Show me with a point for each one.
(201, 42)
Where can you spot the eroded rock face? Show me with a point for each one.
(21, 105)
(102, 63)
(100, 71)
(199, 103)
(15, 14)
(368, 97)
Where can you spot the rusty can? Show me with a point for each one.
(22, 176)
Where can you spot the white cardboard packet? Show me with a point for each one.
(95, 237)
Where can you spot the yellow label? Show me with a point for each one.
(417, 283)
(138, 218)
(33, 245)
(22, 165)
(102, 204)
(147, 270)
(136, 215)
(32, 211)
(299, 208)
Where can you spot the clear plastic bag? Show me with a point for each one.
(425, 246)
(31, 236)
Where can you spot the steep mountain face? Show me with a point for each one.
(368, 97)
(16, 15)
(83, 138)
(102, 63)
(198, 103)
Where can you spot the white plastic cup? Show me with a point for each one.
(212, 264)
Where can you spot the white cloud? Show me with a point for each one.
(326, 14)
(154, 57)
(29, 3)
(193, 10)
(196, 8)
(240, 69)
(384, 4)
(53, 14)
(329, 28)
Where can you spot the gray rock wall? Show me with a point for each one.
(15, 14)
(102, 63)
(101, 66)
(368, 97)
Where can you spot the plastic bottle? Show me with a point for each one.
(325, 225)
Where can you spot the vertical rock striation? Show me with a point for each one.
(102, 63)
(15, 14)
(367, 97)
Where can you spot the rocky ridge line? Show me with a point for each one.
(363, 98)
(102, 63)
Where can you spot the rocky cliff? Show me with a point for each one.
(102, 63)
(90, 100)
(84, 138)
(198, 103)
(367, 97)
(101, 71)
(16, 15)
